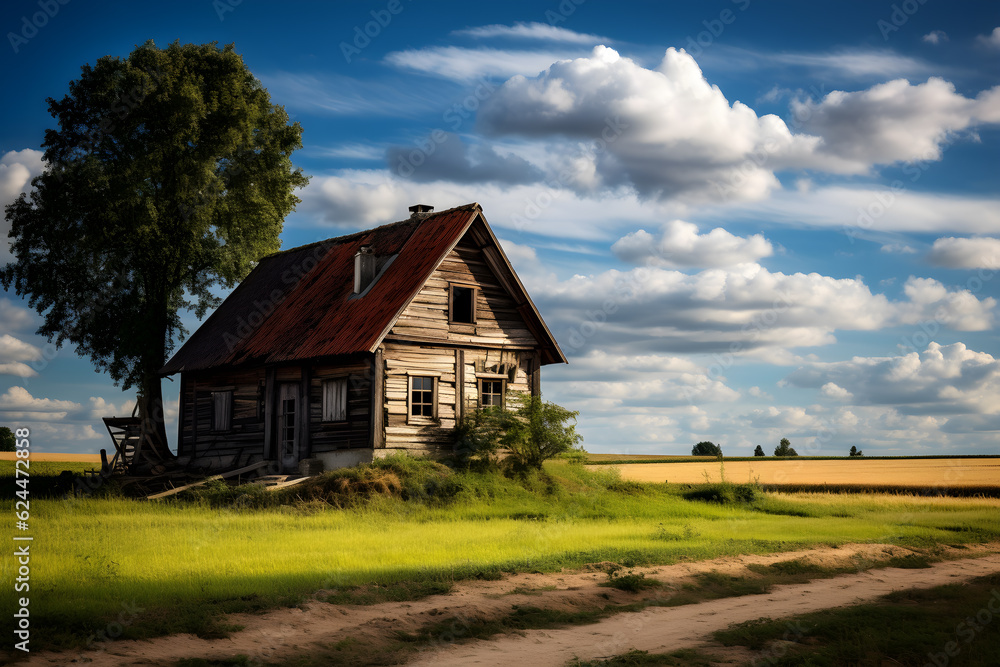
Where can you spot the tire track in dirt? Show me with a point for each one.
(666, 629)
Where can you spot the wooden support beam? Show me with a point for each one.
(459, 385)
(376, 415)
(270, 399)
(200, 482)
(305, 414)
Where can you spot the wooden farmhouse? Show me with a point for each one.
(348, 348)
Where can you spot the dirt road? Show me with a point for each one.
(666, 629)
(373, 631)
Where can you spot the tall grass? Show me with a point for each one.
(186, 561)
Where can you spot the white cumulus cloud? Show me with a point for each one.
(680, 245)
(966, 253)
(13, 353)
(940, 380)
(665, 131)
(17, 403)
(991, 40)
(745, 310)
(935, 37)
(891, 122)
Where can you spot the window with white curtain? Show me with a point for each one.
(222, 410)
(335, 400)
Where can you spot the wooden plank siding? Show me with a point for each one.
(254, 405)
(498, 323)
(242, 443)
(353, 433)
(401, 362)
(442, 363)
(424, 342)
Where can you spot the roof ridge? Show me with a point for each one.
(337, 240)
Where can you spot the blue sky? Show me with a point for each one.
(743, 220)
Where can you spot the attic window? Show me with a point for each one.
(462, 304)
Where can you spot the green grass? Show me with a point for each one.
(910, 627)
(186, 562)
(681, 658)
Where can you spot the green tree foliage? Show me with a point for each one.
(784, 448)
(759, 451)
(706, 448)
(530, 430)
(855, 451)
(6, 439)
(170, 173)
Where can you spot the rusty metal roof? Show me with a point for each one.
(300, 303)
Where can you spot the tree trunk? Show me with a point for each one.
(150, 401)
(150, 397)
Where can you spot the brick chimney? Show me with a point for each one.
(364, 268)
(421, 210)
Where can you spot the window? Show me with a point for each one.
(422, 397)
(222, 410)
(335, 400)
(491, 392)
(462, 304)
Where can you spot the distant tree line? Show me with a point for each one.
(784, 448)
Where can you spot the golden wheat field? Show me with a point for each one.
(55, 456)
(923, 473)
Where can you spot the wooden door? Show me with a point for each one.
(288, 431)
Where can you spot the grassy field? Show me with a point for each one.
(187, 561)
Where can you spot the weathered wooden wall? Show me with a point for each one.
(245, 441)
(498, 323)
(353, 433)
(423, 342)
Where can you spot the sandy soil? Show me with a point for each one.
(285, 633)
(934, 473)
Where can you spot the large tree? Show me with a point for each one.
(170, 173)
(785, 448)
(706, 448)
